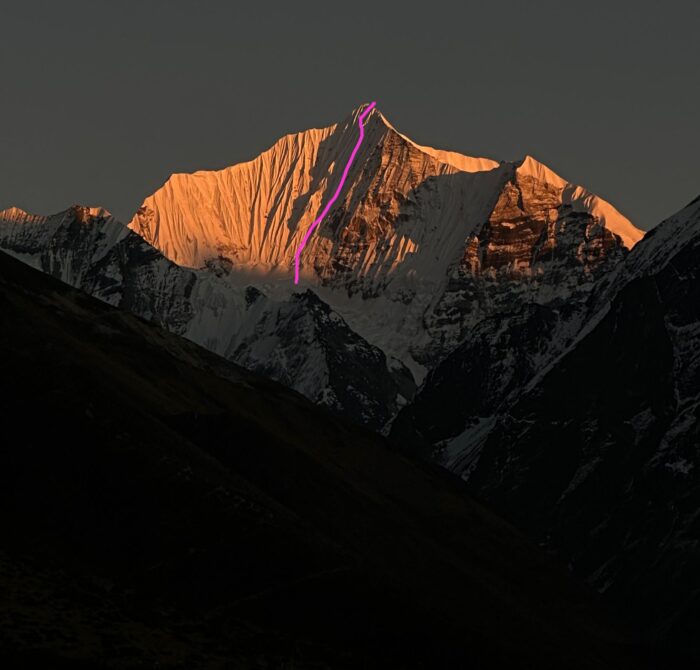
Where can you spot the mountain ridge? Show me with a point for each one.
(305, 148)
(595, 454)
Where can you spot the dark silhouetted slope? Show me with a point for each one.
(161, 505)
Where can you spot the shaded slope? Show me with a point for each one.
(162, 505)
(600, 460)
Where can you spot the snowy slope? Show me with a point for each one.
(299, 341)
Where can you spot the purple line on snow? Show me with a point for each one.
(329, 204)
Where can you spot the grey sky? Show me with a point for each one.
(101, 101)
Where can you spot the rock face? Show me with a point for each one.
(299, 341)
(598, 458)
(535, 248)
(517, 299)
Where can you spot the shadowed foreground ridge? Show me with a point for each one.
(597, 460)
(163, 506)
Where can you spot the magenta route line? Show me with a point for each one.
(329, 204)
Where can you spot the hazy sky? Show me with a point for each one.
(101, 101)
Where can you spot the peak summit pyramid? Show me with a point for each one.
(411, 239)
(254, 214)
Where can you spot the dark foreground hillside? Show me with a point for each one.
(161, 506)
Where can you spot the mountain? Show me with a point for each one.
(421, 249)
(163, 506)
(421, 245)
(488, 315)
(597, 459)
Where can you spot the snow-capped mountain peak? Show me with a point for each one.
(412, 228)
(421, 245)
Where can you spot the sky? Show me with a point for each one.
(102, 101)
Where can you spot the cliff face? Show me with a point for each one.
(536, 246)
